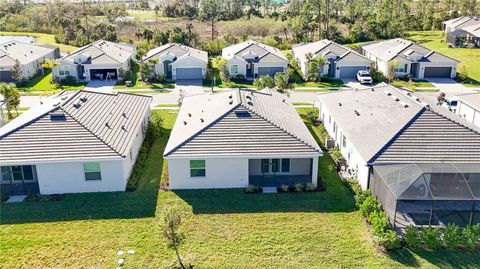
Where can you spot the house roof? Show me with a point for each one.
(373, 118)
(74, 125)
(237, 123)
(178, 50)
(23, 52)
(251, 46)
(462, 21)
(471, 99)
(102, 52)
(325, 47)
(399, 49)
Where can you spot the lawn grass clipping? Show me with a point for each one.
(223, 228)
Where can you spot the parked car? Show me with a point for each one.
(450, 103)
(364, 77)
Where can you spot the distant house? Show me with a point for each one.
(240, 137)
(73, 142)
(179, 62)
(412, 59)
(101, 60)
(468, 107)
(420, 160)
(29, 56)
(341, 62)
(252, 59)
(463, 30)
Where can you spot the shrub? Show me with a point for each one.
(36, 197)
(451, 236)
(412, 237)
(431, 238)
(379, 222)
(312, 115)
(310, 187)
(299, 187)
(369, 205)
(471, 237)
(240, 78)
(284, 188)
(69, 80)
(361, 196)
(251, 189)
(388, 240)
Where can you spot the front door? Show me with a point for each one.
(167, 66)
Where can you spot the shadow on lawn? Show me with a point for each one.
(441, 258)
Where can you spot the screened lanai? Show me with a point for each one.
(428, 194)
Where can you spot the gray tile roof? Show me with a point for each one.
(23, 52)
(399, 48)
(104, 52)
(82, 133)
(431, 138)
(178, 50)
(395, 126)
(259, 49)
(325, 47)
(239, 123)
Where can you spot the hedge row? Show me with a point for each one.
(450, 237)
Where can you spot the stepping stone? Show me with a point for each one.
(121, 262)
(16, 198)
(270, 190)
(131, 251)
(120, 252)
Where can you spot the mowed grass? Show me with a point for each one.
(223, 228)
(470, 59)
(414, 84)
(42, 83)
(43, 39)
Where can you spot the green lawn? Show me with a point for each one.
(145, 85)
(43, 39)
(414, 84)
(42, 83)
(434, 41)
(223, 228)
(321, 84)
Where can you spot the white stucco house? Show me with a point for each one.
(73, 142)
(468, 107)
(388, 126)
(30, 58)
(412, 59)
(252, 59)
(101, 60)
(341, 62)
(179, 62)
(240, 137)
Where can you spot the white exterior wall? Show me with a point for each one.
(128, 162)
(220, 173)
(469, 113)
(355, 162)
(69, 177)
(242, 67)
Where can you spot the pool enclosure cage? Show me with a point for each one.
(428, 194)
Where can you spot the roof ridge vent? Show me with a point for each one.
(416, 98)
(404, 104)
(395, 98)
(124, 114)
(339, 104)
(124, 128)
(425, 104)
(57, 116)
(201, 119)
(107, 124)
(184, 123)
(357, 113)
(84, 98)
(387, 93)
(77, 105)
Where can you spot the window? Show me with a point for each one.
(285, 165)
(18, 173)
(329, 118)
(334, 127)
(275, 165)
(265, 165)
(234, 69)
(197, 168)
(92, 171)
(344, 141)
(64, 70)
(400, 68)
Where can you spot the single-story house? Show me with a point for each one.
(409, 152)
(412, 59)
(252, 59)
(463, 30)
(179, 62)
(73, 142)
(468, 107)
(30, 58)
(238, 138)
(341, 62)
(101, 60)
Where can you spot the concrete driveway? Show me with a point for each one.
(449, 86)
(100, 85)
(353, 83)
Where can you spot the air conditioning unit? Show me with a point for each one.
(329, 143)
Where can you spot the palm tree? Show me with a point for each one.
(49, 64)
(11, 97)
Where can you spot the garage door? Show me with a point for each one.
(189, 73)
(262, 71)
(6, 76)
(437, 72)
(350, 71)
(103, 74)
